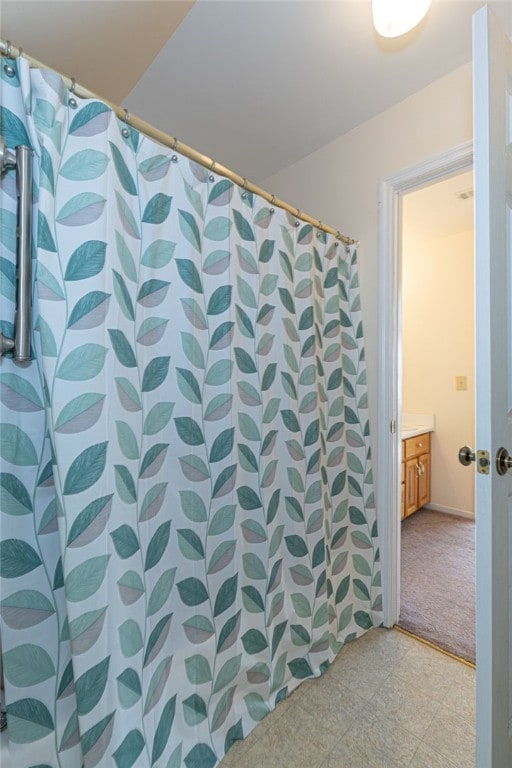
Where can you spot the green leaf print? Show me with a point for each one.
(16, 447)
(82, 363)
(157, 209)
(86, 469)
(84, 165)
(29, 720)
(85, 579)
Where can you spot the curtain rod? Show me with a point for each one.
(10, 51)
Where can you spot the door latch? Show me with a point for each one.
(481, 458)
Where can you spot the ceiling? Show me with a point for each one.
(255, 84)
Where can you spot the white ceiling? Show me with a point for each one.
(255, 84)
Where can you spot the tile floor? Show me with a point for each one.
(387, 700)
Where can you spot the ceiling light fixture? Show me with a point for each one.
(392, 18)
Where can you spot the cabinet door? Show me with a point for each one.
(411, 486)
(424, 479)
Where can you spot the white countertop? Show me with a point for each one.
(410, 430)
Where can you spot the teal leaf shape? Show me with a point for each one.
(193, 506)
(219, 373)
(157, 639)
(198, 669)
(86, 469)
(123, 173)
(220, 300)
(193, 350)
(158, 418)
(194, 710)
(155, 373)
(243, 226)
(218, 228)
(254, 641)
(188, 385)
(221, 192)
(84, 165)
(86, 261)
(216, 262)
(153, 460)
(85, 579)
(247, 498)
(152, 292)
(95, 741)
(151, 331)
(161, 591)
(13, 130)
(47, 176)
(222, 445)
(128, 395)
(190, 544)
(194, 468)
(189, 430)
(189, 229)
(194, 313)
(218, 407)
(8, 238)
(127, 440)
(158, 254)
(300, 669)
(123, 296)
(80, 414)
(157, 209)
(48, 343)
(125, 484)
(127, 218)
(89, 311)
(222, 335)
(44, 236)
(90, 522)
(91, 685)
(201, 756)
(226, 596)
(244, 361)
(163, 730)
(125, 258)
(14, 498)
(229, 632)
(154, 168)
(223, 554)
(29, 720)
(222, 520)
(81, 209)
(27, 665)
(223, 708)
(157, 684)
(91, 120)
(18, 394)
(129, 750)
(225, 482)
(157, 545)
(192, 591)
(266, 251)
(189, 274)
(122, 348)
(129, 688)
(17, 558)
(296, 545)
(152, 502)
(48, 286)
(16, 447)
(125, 541)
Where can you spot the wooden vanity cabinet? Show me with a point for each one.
(415, 473)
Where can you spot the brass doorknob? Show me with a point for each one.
(466, 456)
(503, 461)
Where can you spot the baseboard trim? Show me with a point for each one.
(450, 510)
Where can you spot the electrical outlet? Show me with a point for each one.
(461, 383)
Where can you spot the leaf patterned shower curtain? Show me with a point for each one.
(187, 517)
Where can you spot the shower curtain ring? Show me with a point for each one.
(244, 187)
(9, 49)
(212, 166)
(126, 131)
(298, 214)
(175, 144)
(20, 52)
(72, 101)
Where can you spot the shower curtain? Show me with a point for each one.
(188, 527)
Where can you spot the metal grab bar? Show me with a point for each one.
(21, 160)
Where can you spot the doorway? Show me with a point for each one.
(436, 399)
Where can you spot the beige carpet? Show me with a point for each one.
(438, 580)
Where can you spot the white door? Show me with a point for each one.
(492, 61)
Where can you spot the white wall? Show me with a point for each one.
(437, 346)
(339, 183)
